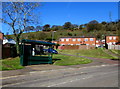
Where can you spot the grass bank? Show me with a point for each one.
(10, 64)
(69, 60)
(97, 53)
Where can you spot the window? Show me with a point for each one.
(79, 39)
(67, 39)
(114, 42)
(110, 38)
(91, 39)
(86, 39)
(96, 41)
(62, 39)
(114, 38)
(73, 39)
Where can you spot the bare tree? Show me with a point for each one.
(19, 15)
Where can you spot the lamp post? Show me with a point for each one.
(53, 35)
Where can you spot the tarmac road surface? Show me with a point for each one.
(95, 76)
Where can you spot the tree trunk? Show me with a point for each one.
(17, 45)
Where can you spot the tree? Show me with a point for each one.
(29, 28)
(18, 15)
(55, 28)
(46, 27)
(38, 28)
(93, 25)
(104, 23)
(67, 25)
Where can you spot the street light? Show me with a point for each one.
(53, 35)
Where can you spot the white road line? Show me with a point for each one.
(12, 77)
(56, 70)
(69, 81)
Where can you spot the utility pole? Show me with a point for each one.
(53, 35)
(110, 16)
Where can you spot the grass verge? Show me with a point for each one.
(69, 60)
(10, 64)
(97, 53)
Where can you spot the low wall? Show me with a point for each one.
(76, 47)
(116, 47)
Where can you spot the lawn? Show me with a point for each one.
(115, 51)
(10, 64)
(69, 60)
(97, 53)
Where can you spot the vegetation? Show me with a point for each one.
(18, 16)
(115, 51)
(70, 60)
(10, 64)
(93, 28)
(97, 53)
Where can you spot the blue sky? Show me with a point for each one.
(57, 13)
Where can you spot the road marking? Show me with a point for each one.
(56, 70)
(12, 77)
(69, 81)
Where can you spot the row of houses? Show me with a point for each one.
(109, 40)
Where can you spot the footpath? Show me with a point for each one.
(47, 67)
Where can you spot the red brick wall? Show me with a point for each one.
(77, 47)
(1, 36)
(112, 39)
(82, 41)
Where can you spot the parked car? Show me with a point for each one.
(50, 50)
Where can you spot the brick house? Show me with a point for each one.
(100, 43)
(112, 40)
(77, 41)
(1, 40)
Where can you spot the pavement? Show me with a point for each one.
(46, 67)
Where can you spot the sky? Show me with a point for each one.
(57, 13)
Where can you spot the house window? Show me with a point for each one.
(86, 39)
(73, 39)
(110, 38)
(91, 39)
(114, 38)
(96, 41)
(79, 39)
(67, 39)
(114, 42)
(62, 39)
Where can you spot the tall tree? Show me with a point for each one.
(18, 15)
(46, 27)
(67, 25)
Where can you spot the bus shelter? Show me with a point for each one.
(32, 52)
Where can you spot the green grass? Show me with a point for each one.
(10, 64)
(115, 51)
(97, 53)
(69, 60)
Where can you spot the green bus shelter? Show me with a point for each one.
(32, 52)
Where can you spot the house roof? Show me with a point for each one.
(11, 41)
(78, 37)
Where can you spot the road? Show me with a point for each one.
(93, 76)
